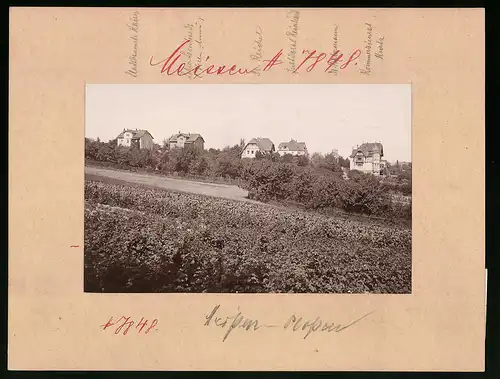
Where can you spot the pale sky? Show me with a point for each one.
(324, 116)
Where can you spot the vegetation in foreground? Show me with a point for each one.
(152, 240)
(316, 183)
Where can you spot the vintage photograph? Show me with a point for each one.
(248, 188)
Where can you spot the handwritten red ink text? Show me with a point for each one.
(124, 324)
(172, 66)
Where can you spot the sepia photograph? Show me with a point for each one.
(248, 188)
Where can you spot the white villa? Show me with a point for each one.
(367, 158)
(292, 147)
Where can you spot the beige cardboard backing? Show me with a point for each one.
(54, 325)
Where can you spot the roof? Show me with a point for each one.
(264, 144)
(292, 146)
(367, 149)
(136, 134)
(191, 137)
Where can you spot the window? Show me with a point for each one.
(252, 151)
(359, 164)
(248, 151)
(128, 141)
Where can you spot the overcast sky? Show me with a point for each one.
(324, 116)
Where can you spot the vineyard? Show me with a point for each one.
(153, 240)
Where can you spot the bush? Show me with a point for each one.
(364, 194)
(144, 240)
(317, 185)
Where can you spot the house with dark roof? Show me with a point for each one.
(292, 147)
(367, 158)
(135, 137)
(181, 140)
(263, 145)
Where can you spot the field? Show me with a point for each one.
(202, 188)
(140, 239)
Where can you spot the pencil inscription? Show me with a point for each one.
(294, 323)
(132, 59)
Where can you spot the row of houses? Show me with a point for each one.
(367, 157)
(144, 140)
(265, 145)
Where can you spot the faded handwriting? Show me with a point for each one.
(132, 59)
(199, 40)
(292, 31)
(230, 323)
(380, 47)
(293, 323)
(368, 50)
(172, 66)
(257, 49)
(124, 324)
(334, 70)
(318, 325)
(188, 52)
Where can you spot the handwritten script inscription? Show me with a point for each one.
(293, 29)
(368, 50)
(294, 324)
(132, 59)
(380, 48)
(257, 49)
(124, 324)
(172, 66)
(334, 70)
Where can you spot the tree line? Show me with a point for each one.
(315, 182)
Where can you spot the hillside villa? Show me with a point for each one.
(186, 140)
(292, 147)
(140, 138)
(264, 145)
(367, 158)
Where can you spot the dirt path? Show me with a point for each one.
(209, 189)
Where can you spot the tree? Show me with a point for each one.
(106, 153)
(344, 162)
(331, 162)
(353, 174)
(316, 159)
(302, 160)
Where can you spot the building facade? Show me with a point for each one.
(293, 148)
(181, 140)
(135, 138)
(262, 145)
(368, 158)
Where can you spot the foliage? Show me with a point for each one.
(145, 240)
(316, 183)
(364, 194)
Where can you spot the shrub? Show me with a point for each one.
(145, 240)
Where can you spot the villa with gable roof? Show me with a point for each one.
(263, 145)
(135, 138)
(186, 140)
(367, 158)
(292, 147)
